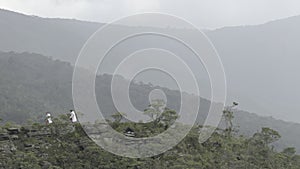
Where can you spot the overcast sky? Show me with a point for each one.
(203, 13)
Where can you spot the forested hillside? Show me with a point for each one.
(33, 84)
(65, 145)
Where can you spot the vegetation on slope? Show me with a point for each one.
(65, 145)
(31, 84)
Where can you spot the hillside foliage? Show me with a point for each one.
(65, 145)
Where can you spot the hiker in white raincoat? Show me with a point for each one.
(73, 117)
(48, 118)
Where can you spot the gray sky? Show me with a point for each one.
(202, 13)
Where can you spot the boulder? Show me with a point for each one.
(28, 145)
(4, 136)
(14, 137)
(12, 131)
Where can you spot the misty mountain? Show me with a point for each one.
(261, 62)
(59, 38)
(32, 84)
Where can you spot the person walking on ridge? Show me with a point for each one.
(48, 118)
(73, 117)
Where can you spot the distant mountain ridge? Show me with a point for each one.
(261, 62)
(58, 38)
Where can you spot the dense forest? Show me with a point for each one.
(63, 144)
